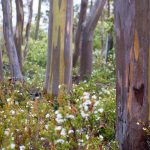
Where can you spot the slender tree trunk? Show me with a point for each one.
(59, 61)
(1, 66)
(87, 41)
(27, 35)
(19, 29)
(38, 21)
(109, 45)
(78, 38)
(9, 41)
(11, 11)
(132, 22)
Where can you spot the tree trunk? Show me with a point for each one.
(59, 61)
(27, 35)
(9, 41)
(38, 21)
(19, 29)
(109, 45)
(87, 41)
(132, 22)
(11, 11)
(78, 38)
(1, 67)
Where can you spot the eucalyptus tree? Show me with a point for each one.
(59, 60)
(9, 41)
(28, 26)
(78, 36)
(87, 38)
(132, 22)
(18, 37)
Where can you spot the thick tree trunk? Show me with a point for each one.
(19, 29)
(9, 41)
(87, 41)
(132, 22)
(78, 38)
(59, 61)
(27, 35)
(38, 20)
(1, 66)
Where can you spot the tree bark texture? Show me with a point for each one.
(59, 61)
(19, 29)
(28, 26)
(1, 66)
(87, 39)
(78, 37)
(9, 41)
(132, 22)
(38, 20)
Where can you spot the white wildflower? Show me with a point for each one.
(101, 137)
(6, 132)
(46, 126)
(101, 110)
(84, 115)
(57, 128)
(87, 102)
(70, 131)
(59, 120)
(59, 141)
(12, 112)
(87, 137)
(47, 116)
(63, 132)
(70, 116)
(12, 146)
(22, 147)
(94, 97)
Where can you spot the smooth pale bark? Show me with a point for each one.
(1, 67)
(9, 41)
(78, 37)
(28, 26)
(59, 61)
(38, 21)
(87, 39)
(19, 29)
(132, 22)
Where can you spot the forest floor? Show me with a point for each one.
(84, 119)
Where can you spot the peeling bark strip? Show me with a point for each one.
(132, 22)
(59, 61)
(19, 29)
(9, 41)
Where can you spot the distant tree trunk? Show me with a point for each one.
(9, 41)
(59, 61)
(132, 22)
(87, 39)
(38, 20)
(27, 34)
(19, 29)
(109, 45)
(11, 11)
(109, 39)
(1, 66)
(78, 38)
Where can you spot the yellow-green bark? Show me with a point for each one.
(59, 34)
